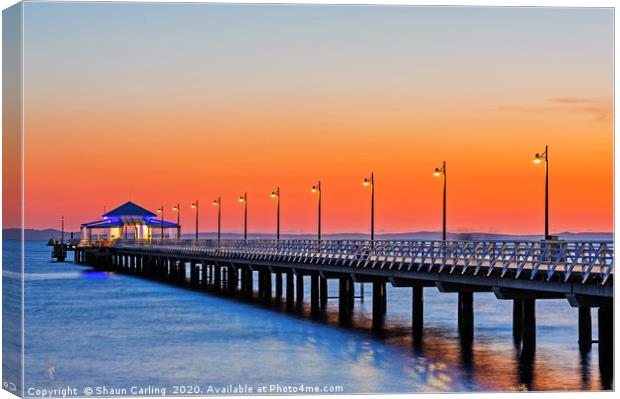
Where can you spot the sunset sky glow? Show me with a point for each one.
(167, 103)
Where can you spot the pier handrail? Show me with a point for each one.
(585, 262)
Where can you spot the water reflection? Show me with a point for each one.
(584, 357)
(477, 359)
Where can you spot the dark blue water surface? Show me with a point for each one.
(90, 329)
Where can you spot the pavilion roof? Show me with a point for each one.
(130, 209)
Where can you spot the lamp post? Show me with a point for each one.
(218, 203)
(442, 172)
(276, 194)
(62, 229)
(195, 206)
(161, 210)
(317, 189)
(244, 199)
(177, 209)
(538, 158)
(370, 181)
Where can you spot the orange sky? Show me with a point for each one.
(98, 133)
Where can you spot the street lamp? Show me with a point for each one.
(161, 210)
(538, 158)
(276, 194)
(195, 206)
(370, 181)
(442, 172)
(62, 229)
(317, 189)
(244, 199)
(177, 209)
(218, 203)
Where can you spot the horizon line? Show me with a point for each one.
(354, 233)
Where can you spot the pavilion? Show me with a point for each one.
(129, 221)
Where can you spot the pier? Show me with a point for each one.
(522, 272)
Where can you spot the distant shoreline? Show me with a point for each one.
(46, 234)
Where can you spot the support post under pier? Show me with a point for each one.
(290, 290)
(517, 320)
(300, 289)
(466, 315)
(268, 291)
(606, 345)
(278, 276)
(417, 316)
(585, 328)
(344, 305)
(379, 303)
(529, 326)
(323, 292)
(217, 278)
(314, 295)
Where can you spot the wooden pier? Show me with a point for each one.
(522, 272)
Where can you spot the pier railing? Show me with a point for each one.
(586, 262)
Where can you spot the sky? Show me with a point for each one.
(167, 103)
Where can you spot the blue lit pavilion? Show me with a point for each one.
(129, 221)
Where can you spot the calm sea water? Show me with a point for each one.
(90, 329)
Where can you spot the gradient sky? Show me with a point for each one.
(159, 103)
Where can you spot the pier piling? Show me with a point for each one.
(417, 316)
(290, 290)
(278, 276)
(606, 344)
(268, 289)
(314, 295)
(585, 328)
(300, 288)
(466, 315)
(345, 297)
(517, 320)
(217, 278)
(379, 303)
(323, 292)
(529, 326)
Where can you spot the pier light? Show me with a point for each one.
(177, 209)
(538, 158)
(276, 194)
(442, 172)
(317, 189)
(161, 210)
(218, 202)
(195, 206)
(244, 199)
(370, 181)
